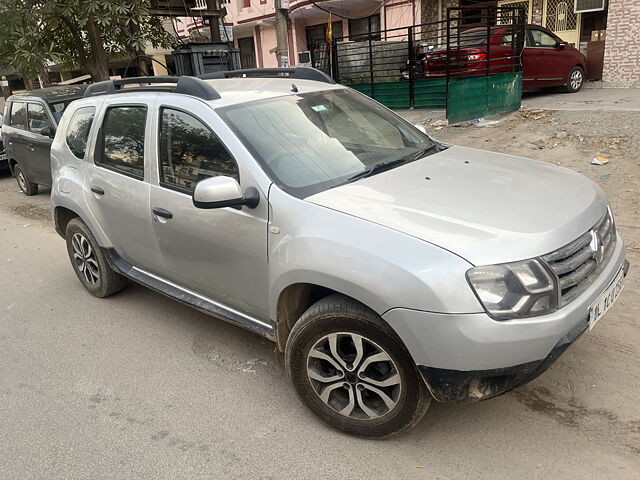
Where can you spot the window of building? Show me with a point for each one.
(38, 117)
(190, 152)
(317, 34)
(78, 130)
(122, 141)
(245, 3)
(18, 115)
(365, 28)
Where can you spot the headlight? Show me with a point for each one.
(514, 290)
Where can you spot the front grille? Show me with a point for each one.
(577, 264)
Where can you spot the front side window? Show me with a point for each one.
(78, 130)
(190, 152)
(18, 115)
(541, 39)
(311, 142)
(38, 118)
(122, 141)
(58, 108)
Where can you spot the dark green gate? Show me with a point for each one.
(469, 64)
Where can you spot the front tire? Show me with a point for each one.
(575, 80)
(349, 367)
(89, 263)
(25, 185)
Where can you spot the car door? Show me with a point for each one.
(116, 186)
(219, 253)
(13, 130)
(529, 62)
(38, 145)
(550, 60)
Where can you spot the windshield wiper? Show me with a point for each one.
(386, 165)
(375, 169)
(423, 151)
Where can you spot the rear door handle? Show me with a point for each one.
(97, 190)
(161, 212)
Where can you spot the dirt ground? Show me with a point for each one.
(584, 390)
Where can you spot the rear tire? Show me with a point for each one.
(350, 368)
(575, 80)
(89, 263)
(25, 185)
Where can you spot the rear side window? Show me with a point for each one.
(122, 141)
(190, 152)
(38, 118)
(18, 115)
(78, 130)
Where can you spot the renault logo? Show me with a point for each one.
(597, 250)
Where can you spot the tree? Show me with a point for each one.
(80, 33)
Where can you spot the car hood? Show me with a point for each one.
(485, 207)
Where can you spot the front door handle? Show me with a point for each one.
(97, 190)
(161, 212)
(30, 148)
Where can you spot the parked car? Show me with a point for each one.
(388, 268)
(31, 122)
(547, 61)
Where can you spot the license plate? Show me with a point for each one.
(606, 300)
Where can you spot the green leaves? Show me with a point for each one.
(34, 33)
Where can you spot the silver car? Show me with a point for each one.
(388, 268)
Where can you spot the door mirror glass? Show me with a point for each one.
(47, 132)
(221, 192)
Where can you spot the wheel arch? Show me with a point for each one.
(296, 298)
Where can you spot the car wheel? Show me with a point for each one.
(25, 185)
(350, 368)
(89, 263)
(575, 80)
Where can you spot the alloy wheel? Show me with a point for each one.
(22, 181)
(354, 376)
(84, 259)
(576, 79)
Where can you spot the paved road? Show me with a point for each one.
(139, 386)
(610, 99)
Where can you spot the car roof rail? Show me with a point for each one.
(193, 86)
(299, 73)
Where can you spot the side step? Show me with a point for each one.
(188, 297)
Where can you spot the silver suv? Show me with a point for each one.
(388, 268)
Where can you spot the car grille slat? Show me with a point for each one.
(576, 265)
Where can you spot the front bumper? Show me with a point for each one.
(471, 356)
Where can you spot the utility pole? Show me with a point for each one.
(282, 38)
(214, 22)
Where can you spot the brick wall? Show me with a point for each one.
(622, 45)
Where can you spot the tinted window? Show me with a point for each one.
(18, 115)
(542, 39)
(38, 118)
(190, 152)
(78, 130)
(359, 29)
(123, 140)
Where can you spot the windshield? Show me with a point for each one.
(311, 142)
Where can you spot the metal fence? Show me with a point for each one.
(449, 64)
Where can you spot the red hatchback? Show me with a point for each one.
(547, 60)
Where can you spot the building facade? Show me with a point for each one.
(608, 35)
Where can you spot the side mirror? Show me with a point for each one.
(221, 192)
(47, 132)
(561, 45)
(421, 128)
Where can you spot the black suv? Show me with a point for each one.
(30, 123)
